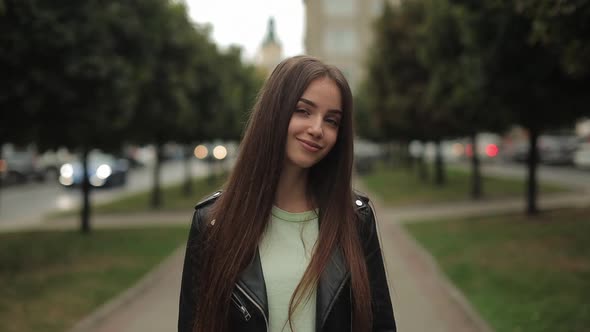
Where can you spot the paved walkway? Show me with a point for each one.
(424, 300)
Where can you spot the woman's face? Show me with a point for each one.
(313, 128)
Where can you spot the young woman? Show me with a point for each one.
(287, 246)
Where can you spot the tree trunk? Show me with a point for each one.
(409, 157)
(422, 168)
(404, 154)
(1, 171)
(439, 165)
(533, 158)
(187, 188)
(156, 199)
(387, 155)
(85, 227)
(394, 156)
(476, 184)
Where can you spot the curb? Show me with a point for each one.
(95, 318)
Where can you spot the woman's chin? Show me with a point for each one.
(302, 163)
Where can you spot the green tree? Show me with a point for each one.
(563, 27)
(456, 86)
(16, 110)
(78, 78)
(172, 51)
(240, 83)
(399, 79)
(390, 97)
(203, 96)
(525, 77)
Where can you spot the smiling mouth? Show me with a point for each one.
(310, 146)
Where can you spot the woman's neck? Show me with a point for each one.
(291, 193)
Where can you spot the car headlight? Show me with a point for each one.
(66, 181)
(220, 152)
(96, 181)
(66, 170)
(201, 152)
(103, 171)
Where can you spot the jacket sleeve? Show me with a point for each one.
(187, 305)
(383, 318)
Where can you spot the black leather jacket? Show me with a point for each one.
(249, 310)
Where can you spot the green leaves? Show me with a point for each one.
(455, 67)
(98, 73)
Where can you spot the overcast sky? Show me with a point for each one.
(243, 22)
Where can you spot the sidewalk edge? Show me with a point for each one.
(455, 293)
(92, 320)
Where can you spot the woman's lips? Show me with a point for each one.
(310, 146)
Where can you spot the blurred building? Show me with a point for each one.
(340, 32)
(271, 51)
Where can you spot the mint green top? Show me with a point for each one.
(285, 252)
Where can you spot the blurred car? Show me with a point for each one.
(20, 164)
(366, 155)
(557, 149)
(50, 161)
(488, 147)
(515, 150)
(581, 157)
(452, 150)
(461, 149)
(103, 170)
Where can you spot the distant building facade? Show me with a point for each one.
(271, 51)
(340, 32)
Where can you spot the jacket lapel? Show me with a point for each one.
(252, 281)
(333, 278)
(331, 282)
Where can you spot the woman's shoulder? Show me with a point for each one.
(361, 201)
(364, 209)
(367, 221)
(202, 208)
(208, 200)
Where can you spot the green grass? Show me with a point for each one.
(50, 280)
(522, 274)
(398, 186)
(172, 196)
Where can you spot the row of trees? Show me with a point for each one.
(98, 74)
(450, 68)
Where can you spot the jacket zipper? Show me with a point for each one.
(255, 304)
(241, 307)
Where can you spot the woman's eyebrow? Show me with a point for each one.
(312, 104)
(309, 102)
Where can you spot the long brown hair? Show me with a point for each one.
(242, 212)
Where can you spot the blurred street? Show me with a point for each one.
(561, 175)
(25, 206)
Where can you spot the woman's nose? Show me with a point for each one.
(315, 128)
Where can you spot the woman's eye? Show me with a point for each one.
(333, 122)
(302, 111)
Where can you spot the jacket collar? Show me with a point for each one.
(330, 284)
